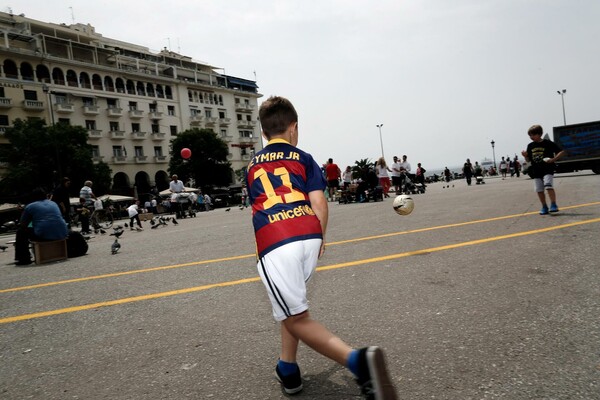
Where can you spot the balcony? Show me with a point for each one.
(114, 112)
(91, 110)
(3, 129)
(224, 121)
(211, 121)
(246, 124)
(158, 136)
(196, 119)
(94, 133)
(141, 159)
(119, 135)
(33, 105)
(226, 138)
(5, 102)
(245, 157)
(138, 135)
(119, 159)
(246, 139)
(160, 159)
(136, 114)
(155, 115)
(97, 159)
(244, 107)
(64, 108)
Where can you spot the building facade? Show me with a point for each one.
(132, 101)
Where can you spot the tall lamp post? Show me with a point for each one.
(494, 153)
(48, 92)
(380, 139)
(562, 97)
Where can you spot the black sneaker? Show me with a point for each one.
(291, 383)
(374, 380)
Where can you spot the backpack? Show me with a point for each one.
(76, 245)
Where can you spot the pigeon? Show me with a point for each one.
(155, 226)
(126, 226)
(115, 247)
(117, 233)
(175, 222)
(3, 248)
(228, 209)
(102, 231)
(152, 222)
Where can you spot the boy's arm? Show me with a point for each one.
(319, 205)
(557, 156)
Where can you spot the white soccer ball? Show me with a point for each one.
(403, 204)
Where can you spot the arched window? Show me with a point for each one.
(58, 77)
(84, 80)
(97, 82)
(168, 93)
(42, 73)
(120, 85)
(130, 87)
(26, 71)
(10, 69)
(159, 91)
(108, 84)
(140, 89)
(71, 78)
(150, 90)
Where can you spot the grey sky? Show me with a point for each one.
(444, 77)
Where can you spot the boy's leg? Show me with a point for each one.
(317, 337)
(289, 345)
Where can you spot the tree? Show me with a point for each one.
(208, 165)
(361, 168)
(39, 156)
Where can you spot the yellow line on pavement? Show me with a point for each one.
(126, 300)
(240, 257)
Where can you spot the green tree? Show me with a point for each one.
(208, 165)
(361, 168)
(39, 156)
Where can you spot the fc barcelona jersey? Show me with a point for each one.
(279, 178)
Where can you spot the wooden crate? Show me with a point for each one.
(54, 250)
(146, 216)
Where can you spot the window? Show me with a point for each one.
(64, 121)
(3, 120)
(119, 151)
(90, 124)
(30, 94)
(135, 127)
(158, 151)
(152, 108)
(222, 114)
(139, 151)
(171, 110)
(243, 151)
(95, 151)
(194, 112)
(190, 96)
(173, 129)
(87, 101)
(246, 134)
(155, 128)
(223, 132)
(132, 106)
(112, 103)
(1, 91)
(208, 113)
(60, 98)
(114, 126)
(239, 117)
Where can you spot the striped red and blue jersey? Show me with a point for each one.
(278, 179)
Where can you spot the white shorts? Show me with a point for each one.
(285, 271)
(546, 183)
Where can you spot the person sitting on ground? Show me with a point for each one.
(46, 221)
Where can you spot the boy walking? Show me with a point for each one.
(289, 214)
(542, 153)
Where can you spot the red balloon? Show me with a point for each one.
(186, 153)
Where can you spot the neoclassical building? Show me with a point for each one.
(131, 100)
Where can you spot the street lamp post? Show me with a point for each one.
(380, 139)
(48, 92)
(562, 97)
(494, 153)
